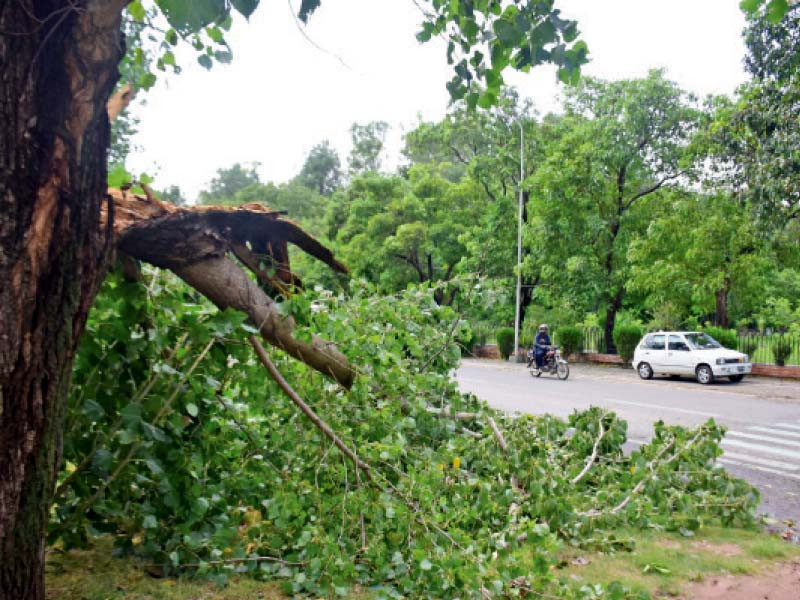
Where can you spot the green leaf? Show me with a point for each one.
(147, 80)
(137, 11)
(425, 565)
(172, 37)
(245, 7)
(101, 462)
(750, 6)
(506, 32)
(215, 33)
(92, 409)
(205, 61)
(191, 409)
(776, 10)
(191, 17)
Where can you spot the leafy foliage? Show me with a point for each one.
(368, 141)
(625, 339)
(321, 170)
(179, 445)
(726, 337)
(570, 339)
(228, 182)
(505, 341)
(781, 350)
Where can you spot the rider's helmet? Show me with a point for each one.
(543, 327)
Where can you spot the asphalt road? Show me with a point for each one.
(762, 444)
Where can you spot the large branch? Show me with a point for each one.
(226, 285)
(195, 242)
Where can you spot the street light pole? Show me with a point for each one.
(519, 239)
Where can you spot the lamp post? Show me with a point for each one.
(519, 239)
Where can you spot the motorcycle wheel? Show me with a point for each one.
(562, 370)
(535, 372)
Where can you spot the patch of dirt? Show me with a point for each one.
(727, 550)
(671, 544)
(782, 583)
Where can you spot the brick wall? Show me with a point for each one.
(776, 371)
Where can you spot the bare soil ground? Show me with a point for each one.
(781, 583)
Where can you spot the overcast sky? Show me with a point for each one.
(281, 95)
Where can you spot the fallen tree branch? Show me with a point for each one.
(498, 435)
(443, 413)
(233, 561)
(593, 456)
(83, 506)
(306, 409)
(195, 243)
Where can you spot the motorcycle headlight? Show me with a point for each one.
(720, 361)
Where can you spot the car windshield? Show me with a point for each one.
(702, 341)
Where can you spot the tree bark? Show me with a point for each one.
(59, 61)
(721, 311)
(612, 308)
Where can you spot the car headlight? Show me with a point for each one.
(720, 361)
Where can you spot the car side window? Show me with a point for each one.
(647, 341)
(657, 343)
(676, 343)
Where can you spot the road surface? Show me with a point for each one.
(762, 444)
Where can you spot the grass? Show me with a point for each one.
(96, 575)
(661, 563)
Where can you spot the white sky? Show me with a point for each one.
(280, 96)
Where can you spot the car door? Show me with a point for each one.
(679, 356)
(655, 352)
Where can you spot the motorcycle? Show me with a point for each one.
(552, 363)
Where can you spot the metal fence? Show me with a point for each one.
(759, 346)
(594, 339)
(767, 347)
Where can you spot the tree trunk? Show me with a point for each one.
(721, 311)
(612, 308)
(59, 62)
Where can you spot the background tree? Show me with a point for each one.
(701, 253)
(228, 182)
(618, 145)
(485, 146)
(321, 170)
(368, 141)
(755, 138)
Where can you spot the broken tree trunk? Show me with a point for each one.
(195, 244)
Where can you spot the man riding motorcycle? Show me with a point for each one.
(541, 345)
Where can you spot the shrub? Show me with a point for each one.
(748, 345)
(505, 341)
(466, 339)
(625, 339)
(781, 350)
(570, 339)
(726, 337)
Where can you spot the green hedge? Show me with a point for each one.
(570, 339)
(781, 350)
(625, 339)
(726, 337)
(505, 341)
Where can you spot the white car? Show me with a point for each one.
(688, 353)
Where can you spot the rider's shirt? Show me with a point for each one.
(542, 340)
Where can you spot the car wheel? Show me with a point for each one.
(704, 374)
(645, 370)
(736, 378)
